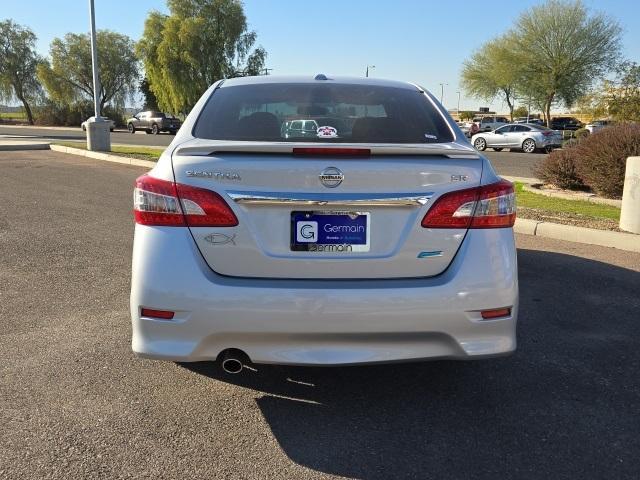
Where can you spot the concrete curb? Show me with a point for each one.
(623, 241)
(577, 196)
(103, 156)
(13, 145)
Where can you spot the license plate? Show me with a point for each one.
(339, 232)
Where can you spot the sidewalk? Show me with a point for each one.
(12, 143)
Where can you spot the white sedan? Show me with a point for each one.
(526, 137)
(389, 241)
(112, 124)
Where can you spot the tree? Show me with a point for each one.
(150, 100)
(490, 72)
(622, 96)
(18, 63)
(561, 49)
(466, 115)
(198, 43)
(520, 111)
(69, 76)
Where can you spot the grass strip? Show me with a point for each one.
(560, 205)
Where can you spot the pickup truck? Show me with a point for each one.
(490, 123)
(153, 122)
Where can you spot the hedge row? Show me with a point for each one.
(595, 162)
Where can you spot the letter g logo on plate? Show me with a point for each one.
(307, 232)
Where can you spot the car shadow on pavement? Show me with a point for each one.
(564, 406)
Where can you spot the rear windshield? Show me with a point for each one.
(321, 113)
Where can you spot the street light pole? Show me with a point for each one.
(369, 67)
(98, 136)
(458, 103)
(94, 62)
(442, 92)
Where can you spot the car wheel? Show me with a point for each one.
(480, 144)
(111, 129)
(172, 132)
(154, 129)
(131, 128)
(529, 146)
(497, 149)
(548, 149)
(147, 131)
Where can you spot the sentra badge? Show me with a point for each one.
(213, 175)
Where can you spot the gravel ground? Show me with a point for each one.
(76, 404)
(567, 218)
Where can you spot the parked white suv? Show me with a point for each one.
(385, 237)
(490, 123)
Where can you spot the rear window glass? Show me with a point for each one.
(321, 113)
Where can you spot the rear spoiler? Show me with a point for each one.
(201, 148)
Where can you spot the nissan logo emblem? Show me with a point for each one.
(331, 177)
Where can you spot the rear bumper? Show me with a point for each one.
(309, 322)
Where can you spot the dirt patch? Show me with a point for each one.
(566, 218)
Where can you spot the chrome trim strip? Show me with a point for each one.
(322, 199)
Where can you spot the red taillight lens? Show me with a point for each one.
(155, 202)
(547, 133)
(324, 151)
(495, 313)
(488, 206)
(165, 203)
(153, 313)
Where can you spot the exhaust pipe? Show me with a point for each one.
(233, 361)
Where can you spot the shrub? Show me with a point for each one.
(71, 115)
(559, 168)
(581, 133)
(603, 156)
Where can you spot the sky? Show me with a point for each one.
(424, 42)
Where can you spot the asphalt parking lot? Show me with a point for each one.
(515, 163)
(76, 403)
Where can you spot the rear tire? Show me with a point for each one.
(480, 144)
(131, 128)
(154, 129)
(497, 149)
(147, 131)
(529, 146)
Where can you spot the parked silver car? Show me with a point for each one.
(526, 137)
(597, 125)
(112, 124)
(385, 237)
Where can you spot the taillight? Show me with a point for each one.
(488, 206)
(548, 133)
(165, 203)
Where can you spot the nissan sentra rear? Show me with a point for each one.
(322, 221)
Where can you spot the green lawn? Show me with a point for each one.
(13, 115)
(143, 153)
(551, 204)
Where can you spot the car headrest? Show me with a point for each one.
(381, 129)
(259, 125)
